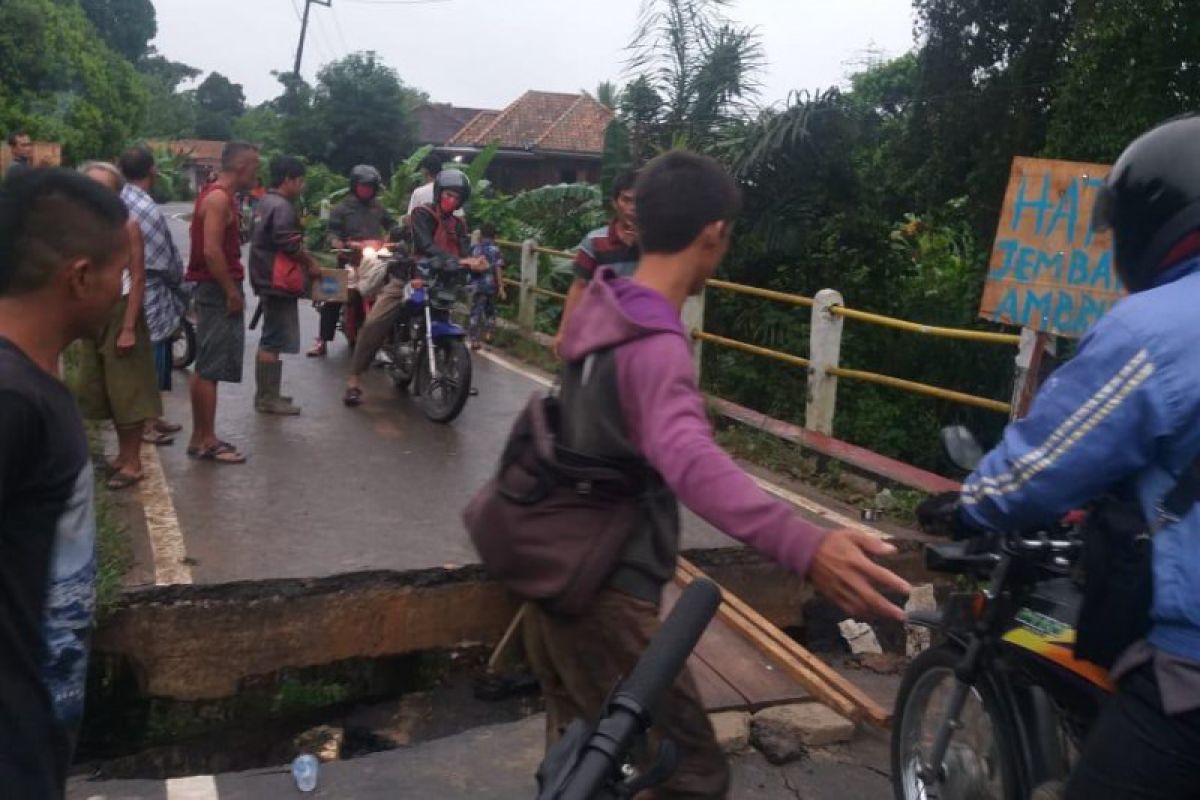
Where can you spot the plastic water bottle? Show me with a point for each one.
(304, 770)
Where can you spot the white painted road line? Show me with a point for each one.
(197, 787)
(513, 367)
(162, 524)
(835, 518)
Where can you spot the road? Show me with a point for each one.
(335, 490)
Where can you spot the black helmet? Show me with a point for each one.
(365, 174)
(451, 179)
(1151, 199)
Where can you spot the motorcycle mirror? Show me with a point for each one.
(961, 447)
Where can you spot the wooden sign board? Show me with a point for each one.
(1048, 270)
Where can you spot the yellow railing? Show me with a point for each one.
(962, 334)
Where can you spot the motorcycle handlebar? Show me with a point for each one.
(631, 709)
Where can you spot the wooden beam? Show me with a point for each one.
(817, 677)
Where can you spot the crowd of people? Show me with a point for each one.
(84, 256)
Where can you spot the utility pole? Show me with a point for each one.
(304, 31)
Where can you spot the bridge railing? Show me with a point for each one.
(829, 313)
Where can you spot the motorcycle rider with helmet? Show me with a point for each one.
(437, 232)
(358, 217)
(1123, 417)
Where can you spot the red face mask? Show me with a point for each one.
(364, 191)
(448, 204)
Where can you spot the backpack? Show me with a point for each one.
(552, 523)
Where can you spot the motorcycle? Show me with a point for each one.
(427, 351)
(1001, 705)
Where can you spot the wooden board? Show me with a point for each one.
(799, 664)
(715, 692)
(1048, 270)
(754, 680)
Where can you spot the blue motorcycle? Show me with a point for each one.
(428, 351)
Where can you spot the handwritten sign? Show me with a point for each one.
(1049, 270)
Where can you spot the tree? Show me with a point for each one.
(126, 26)
(62, 82)
(608, 94)
(1131, 66)
(359, 113)
(701, 65)
(170, 113)
(219, 103)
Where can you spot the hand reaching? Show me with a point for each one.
(842, 571)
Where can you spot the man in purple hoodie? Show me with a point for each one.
(630, 392)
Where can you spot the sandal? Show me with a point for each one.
(159, 438)
(123, 480)
(318, 350)
(162, 426)
(354, 397)
(220, 453)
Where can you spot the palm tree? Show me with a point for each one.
(693, 67)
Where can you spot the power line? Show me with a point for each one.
(338, 27)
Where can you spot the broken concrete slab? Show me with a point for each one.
(860, 636)
(732, 729)
(784, 733)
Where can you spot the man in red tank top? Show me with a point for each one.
(215, 265)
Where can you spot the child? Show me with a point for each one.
(485, 286)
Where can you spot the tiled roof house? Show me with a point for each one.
(545, 138)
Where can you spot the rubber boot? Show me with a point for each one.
(267, 400)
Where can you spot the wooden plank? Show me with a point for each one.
(813, 674)
(735, 662)
(716, 693)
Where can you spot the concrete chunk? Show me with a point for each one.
(732, 729)
(784, 733)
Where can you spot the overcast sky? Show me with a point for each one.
(493, 50)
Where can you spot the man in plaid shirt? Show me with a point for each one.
(165, 301)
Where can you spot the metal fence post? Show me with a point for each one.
(693, 321)
(527, 307)
(824, 349)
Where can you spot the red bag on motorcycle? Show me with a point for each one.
(288, 276)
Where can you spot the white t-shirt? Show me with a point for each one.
(421, 196)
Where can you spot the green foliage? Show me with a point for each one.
(359, 113)
(219, 102)
(126, 26)
(261, 125)
(62, 83)
(558, 216)
(171, 182)
(405, 178)
(695, 70)
(1129, 68)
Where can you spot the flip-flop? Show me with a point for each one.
(354, 397)
(158, 438)
(218, 452)
(167, 427)
(123, 480)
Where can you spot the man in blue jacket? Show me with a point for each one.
(1126, 411)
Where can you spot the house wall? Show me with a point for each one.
(510, 174)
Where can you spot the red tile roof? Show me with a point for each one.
(573, 123)
(437, 122)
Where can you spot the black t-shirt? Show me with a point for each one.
(47, 576)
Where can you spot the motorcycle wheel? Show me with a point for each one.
(981, 761)
(443, 400)
(183, 345)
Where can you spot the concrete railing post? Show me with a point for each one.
(693, 320)
(527, 307)
(824, 351)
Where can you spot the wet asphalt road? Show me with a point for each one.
(338, 490)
